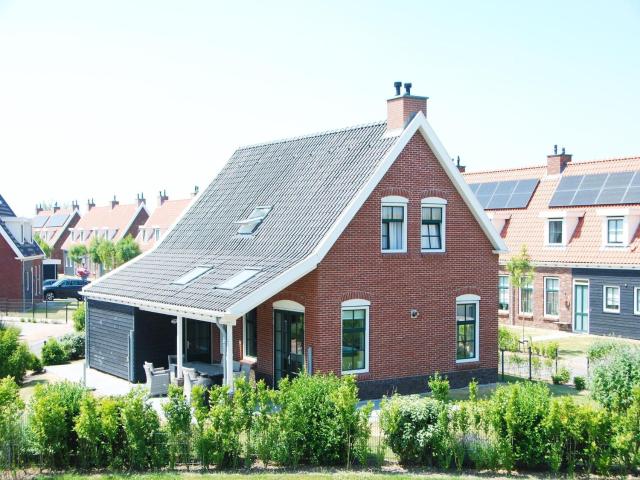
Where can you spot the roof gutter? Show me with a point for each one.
(597, 266)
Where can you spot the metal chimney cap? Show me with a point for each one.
(397, 86)
(407, 88)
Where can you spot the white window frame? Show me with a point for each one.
(547, 231)
(508, 277)
(636, 295)
(604, 299)
(357, 304)
(622, 243)
(438, 203)
(544, 283)
(532, 300)
(466, 299)
(395, 201)
(244, 337)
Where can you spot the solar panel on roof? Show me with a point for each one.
(598, 189)
(57, 220)
(507, 194)
(39, 221)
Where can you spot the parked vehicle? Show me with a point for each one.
(65, 288)
(49, 282)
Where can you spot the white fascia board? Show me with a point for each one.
(418, 123)
(561, 214)
(32, 257)
(595, 266)
(13, 246)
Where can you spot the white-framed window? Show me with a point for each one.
(433, 225)
(355, 336)
(156, 233)
(615, 229)
(393, 235)
(611, 299)
(526, 297)
(554, 231)
(250, 334)
(467, 328)
(551, 296)
(636, 300)
(503, 293)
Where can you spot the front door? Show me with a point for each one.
(288, 343)
(581, 307)
(197, 341)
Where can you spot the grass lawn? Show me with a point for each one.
(311, 474)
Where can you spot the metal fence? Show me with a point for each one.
(55, 311)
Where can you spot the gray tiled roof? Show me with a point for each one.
(308, 181)
(26, 249)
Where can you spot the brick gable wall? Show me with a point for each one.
(10, 273)
(402, 351)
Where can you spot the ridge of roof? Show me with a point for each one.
(312, 135)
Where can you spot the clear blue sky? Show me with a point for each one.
(120, 97)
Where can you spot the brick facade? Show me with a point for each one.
(13, 272)
(538, 318)
(403, 351)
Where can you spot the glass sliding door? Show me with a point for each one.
(288, 336)
(197, 341)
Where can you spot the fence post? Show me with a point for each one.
(530, 363)
(33, 311)
(66, 313)
(502, 361)
(557, 362)
(46, 308)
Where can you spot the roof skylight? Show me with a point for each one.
(253, 221)
(191, 275)
(238, 279)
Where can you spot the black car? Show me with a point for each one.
(65, 288)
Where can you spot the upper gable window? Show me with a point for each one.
(253, 221)
(393, 225)
(432, 231)
(191, 275)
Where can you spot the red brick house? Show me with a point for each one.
(112, 222)
(163, 216)
(20, 259)
(579, 222)
(54, 227)
(358, 251)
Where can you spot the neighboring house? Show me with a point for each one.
(20, 258)
(579, 221)
(54, 226)
(112, 222)
(356, 251)
(165, 214)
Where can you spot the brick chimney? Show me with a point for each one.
(162, 197)
(114, 202)
(557, 162)
(55, 207)
(403, 107)
(139, 199)
(38, 208)
(75, 205)
(90, 204)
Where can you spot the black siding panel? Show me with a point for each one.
(623, 324)
(155, 339)
(108, 329)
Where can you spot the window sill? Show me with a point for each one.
(387, 252)
(467, 361)
(528, 316)
(604, 310)
(355, 372)
(551, 318)
(503, 312)
(429, 252)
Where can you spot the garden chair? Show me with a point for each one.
(157, 380)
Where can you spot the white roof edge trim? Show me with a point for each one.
(13, 246)
(297, 271)
(586, 266)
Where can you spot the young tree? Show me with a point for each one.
(520, 273)
(93, 250)
(44, 246)
(77, 253)
(106, 250)
(126, 249)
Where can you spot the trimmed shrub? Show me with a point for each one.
(145, 448)
(580, 383)
(177, 411)
(100, 435)
(15, 357)
(614, 377)
(439, 387)
(79, 317)
(563, 376)
(53, 353)
(73, 345)
(626, 440)
(508, 340)
(52, 413)
(414, 429)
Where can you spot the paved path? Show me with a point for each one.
(35, 334)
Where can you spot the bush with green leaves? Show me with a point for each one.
(580, 383)
(177, 412)
(145, 446)
(439, 387)
(11, 435)
(600, 349)
(52, 413)
(614, 376)
(562, 376)
(73, 345)
(79, 317)
(15, 357)
(626, 440)
(53, 353)
(414, 429)
(508, 340)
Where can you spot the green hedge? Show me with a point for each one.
(15, 357)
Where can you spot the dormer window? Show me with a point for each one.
(618, 226)
(614, 230)
(555, 231)
(253, 221)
